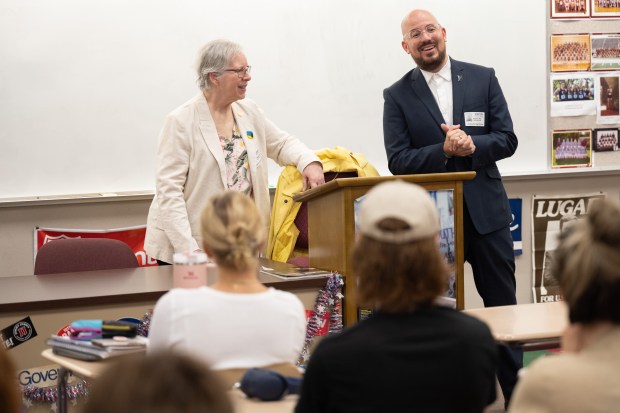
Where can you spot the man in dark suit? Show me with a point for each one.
(451, 116)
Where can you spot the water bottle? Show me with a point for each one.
(190, 269)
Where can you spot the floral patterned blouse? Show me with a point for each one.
(238, 176)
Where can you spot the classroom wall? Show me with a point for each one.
(85, 85)
(17, 223)
(524, 187)
(84, 88)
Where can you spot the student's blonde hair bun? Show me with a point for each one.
(233, 230)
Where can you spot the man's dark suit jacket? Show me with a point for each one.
(414, 139)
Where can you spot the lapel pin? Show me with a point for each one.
(249, 134)
(459, 77)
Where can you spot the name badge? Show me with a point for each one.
(474, 118)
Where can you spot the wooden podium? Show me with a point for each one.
(331, 226)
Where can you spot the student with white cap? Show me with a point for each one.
(411, 354)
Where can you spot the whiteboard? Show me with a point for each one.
(85, 85)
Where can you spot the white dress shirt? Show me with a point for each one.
(440, 84)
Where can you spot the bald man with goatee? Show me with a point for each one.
(449, 116)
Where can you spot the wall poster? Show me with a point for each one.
(550, 215)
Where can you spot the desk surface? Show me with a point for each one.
(94, 369)
(86, 369)
(524, 323)
(51, 291)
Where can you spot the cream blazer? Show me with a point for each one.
(587, 381)
(190, 168)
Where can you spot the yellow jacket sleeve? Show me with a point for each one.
(282, 231)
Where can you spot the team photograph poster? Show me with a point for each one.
(572, 94)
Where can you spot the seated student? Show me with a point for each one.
(10, 400)
(159, 383)
(411, 354)
(237, 322)
(586, 376)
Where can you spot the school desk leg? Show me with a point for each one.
(63, 375)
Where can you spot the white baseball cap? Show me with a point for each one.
(405, 201)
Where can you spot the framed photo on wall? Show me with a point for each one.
(573, 94)
(605, 8)
(571, 148)
(605, 49)
(570, 52)
(570, 9)
(608, 102)
(605, 140)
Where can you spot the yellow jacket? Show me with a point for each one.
(282, 231)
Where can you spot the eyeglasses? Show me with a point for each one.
(415, 34)
(241, 73)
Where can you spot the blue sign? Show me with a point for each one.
(516, 205)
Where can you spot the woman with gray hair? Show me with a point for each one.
(218, 140)
(586, 376)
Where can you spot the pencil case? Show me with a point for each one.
(90, 329)
(114, 328)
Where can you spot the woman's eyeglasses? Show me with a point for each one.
(241, 73)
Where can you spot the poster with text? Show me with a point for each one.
(444, 200)
(550, 215)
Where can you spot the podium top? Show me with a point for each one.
(375, 180)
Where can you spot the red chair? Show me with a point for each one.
(83, 254)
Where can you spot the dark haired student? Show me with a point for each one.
(411, 355)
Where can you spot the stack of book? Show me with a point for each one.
(97, 348)
(287, 271)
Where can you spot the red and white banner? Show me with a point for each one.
(322, 322)
(132, 236)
